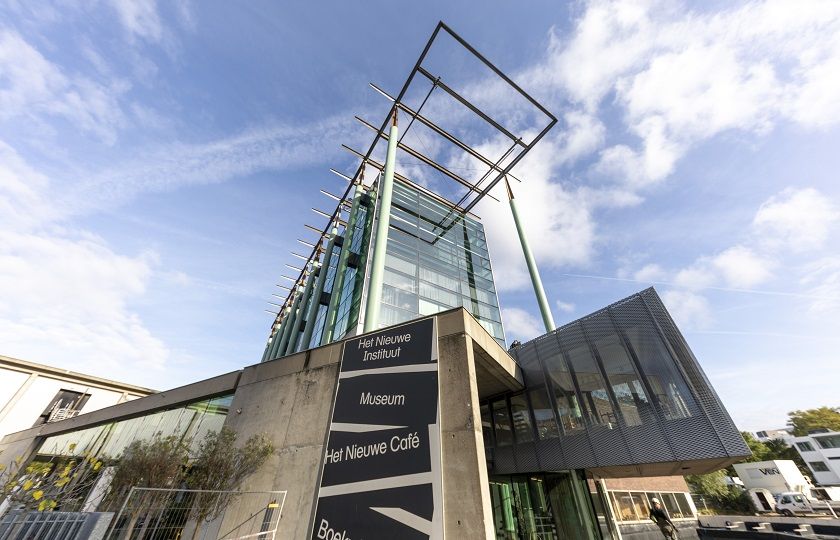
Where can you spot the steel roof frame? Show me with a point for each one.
(473, 188)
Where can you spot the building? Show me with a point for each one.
(821, 451)
(776, 476)
(427, 270)
(34, 394)
(783, 434)
(397, 411)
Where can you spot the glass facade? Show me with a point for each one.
(553, 506)
(616, 387)
(630, 506)
(190, 423)
(429, 268)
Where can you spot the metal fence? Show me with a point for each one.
(196, 514)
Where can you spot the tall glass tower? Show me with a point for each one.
(436, 259)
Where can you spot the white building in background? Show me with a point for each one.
(821, 451)
(32, 394)
(783, 434)
(777, 476)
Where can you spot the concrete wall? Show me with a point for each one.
(290, 400)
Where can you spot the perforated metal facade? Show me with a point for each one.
(617, 391)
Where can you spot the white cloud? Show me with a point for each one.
(649, 272)
(822, 279)
(140, 18)
(565, 307)
(177, 164)
(521, 325)
(697, 276)
(796, 220)
(691, 311)
(741, 267)
(22, 189)
(681, 76)
(30, 84)
(65, 296)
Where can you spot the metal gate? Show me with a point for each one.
(198, 514)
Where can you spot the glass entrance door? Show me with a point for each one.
(542, 507)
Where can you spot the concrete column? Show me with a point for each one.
(7, 408)
(545, 310)
(383, 221)
(467, 505)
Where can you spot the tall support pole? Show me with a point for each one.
(305, 303)
(539, 291)
(383, 221)
(319, 289)
(287, 331)
(274, 352)
(341, 267)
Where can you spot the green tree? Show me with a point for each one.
(59, 483)
(723, 498)
(810, 419)
(219, 467)
(156, 463)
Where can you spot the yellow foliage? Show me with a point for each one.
(27, 485)
(97, 465)
(37, 495)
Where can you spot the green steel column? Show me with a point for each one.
(341, 267)
(545, 310)
(301, 314)
(287, 331)
(319, 289)
(278, 336)
(359, 285)
(383, 216)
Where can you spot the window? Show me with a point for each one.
(501, 421)
(543, 415)
(805, 446)
(486, 426)
(832, 441)
(625, 506)
(668, 386)
(521, 418)
(568, 408)
(65, 404)
(685, 506)
(596, 399)
(669, 501)
(625, 383)
(818, 466)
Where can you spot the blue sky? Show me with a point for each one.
(158, 161)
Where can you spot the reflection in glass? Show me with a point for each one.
(596, 399)
(501, 422)
(625, 382)
(521, 418)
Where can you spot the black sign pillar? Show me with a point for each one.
(381, 476)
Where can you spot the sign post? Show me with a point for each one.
(381, 475)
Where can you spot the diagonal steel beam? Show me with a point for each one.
(428, 161)
(442, 132)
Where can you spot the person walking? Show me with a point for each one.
(663, 520)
